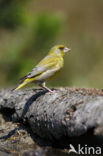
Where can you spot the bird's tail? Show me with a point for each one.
(22, 83)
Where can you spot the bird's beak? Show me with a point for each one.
(66, 50)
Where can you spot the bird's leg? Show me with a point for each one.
(46, 88)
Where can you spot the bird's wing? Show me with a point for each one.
(48, 62)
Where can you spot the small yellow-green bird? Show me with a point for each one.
(46, 68)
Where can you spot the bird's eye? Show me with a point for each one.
(61, 48)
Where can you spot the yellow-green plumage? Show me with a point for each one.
(47, 68)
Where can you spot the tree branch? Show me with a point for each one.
(66, 116)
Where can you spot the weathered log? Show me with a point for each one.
(66, 116)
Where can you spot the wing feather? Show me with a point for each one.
(48, 62)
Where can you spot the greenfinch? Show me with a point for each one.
(46, 68)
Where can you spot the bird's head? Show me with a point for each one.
(59, 50)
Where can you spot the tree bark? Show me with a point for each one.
(66, 116)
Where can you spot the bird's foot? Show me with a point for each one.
(46, 88)
(51, 91)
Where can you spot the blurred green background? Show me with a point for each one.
(28, 29)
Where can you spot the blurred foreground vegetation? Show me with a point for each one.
(28, 29)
